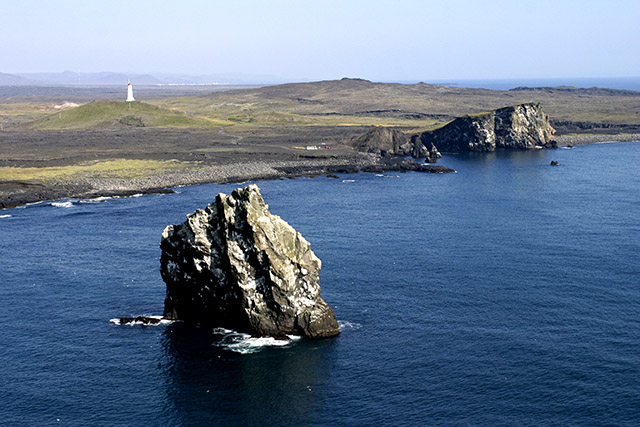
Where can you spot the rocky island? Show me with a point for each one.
(237, 266)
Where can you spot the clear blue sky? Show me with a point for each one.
(377, 40)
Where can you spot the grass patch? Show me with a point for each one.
(116, 168)
(105, 114)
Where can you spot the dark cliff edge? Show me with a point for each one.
(388, 143)
(523, 126)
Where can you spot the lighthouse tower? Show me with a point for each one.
(130, 97)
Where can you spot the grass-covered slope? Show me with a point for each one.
(108, 114)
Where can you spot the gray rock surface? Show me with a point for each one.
(237, 266)
(388, 142)
(523, 126)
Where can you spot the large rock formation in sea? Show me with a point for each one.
(237, 266)
(388, 142)
(523, 126)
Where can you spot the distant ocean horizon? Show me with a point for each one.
(621, 83)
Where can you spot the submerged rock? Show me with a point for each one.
(523, 126)
(237, 266)
(143, 320)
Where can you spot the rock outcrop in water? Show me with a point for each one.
(237, 266)
(523, 126)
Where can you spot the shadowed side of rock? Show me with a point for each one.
(388, 142)
(237, 266)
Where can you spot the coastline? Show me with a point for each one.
(15, 193)
(19, 193)
(577, 139)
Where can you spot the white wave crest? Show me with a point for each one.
(222, 331)
(99, 199)
(246, 344)
(348, 180)
(6, 216)
(29, 204)
(66, 204)
(345, 325)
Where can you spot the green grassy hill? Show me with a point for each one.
(116, 114)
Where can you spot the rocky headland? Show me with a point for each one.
(523, 126)
(235, 265)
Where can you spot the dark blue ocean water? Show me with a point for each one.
(505, 294)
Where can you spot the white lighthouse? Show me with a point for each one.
(130, 97)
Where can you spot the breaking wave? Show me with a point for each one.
(66, 204)
(6, 216)
(99, 199)
(345, 325)
(246, 344)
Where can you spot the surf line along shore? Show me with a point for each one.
(18, 193)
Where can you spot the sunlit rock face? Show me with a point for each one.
(237, 266)
(523, 126)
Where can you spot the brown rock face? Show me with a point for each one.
(237, 266)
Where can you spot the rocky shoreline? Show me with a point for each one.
(16, 193)
(564, 140)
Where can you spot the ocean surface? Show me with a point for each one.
(505, 294)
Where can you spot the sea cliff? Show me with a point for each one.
(523, 126)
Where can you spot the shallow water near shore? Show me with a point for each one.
(504, 294)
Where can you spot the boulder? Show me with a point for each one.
(237, 266)
(523, 126)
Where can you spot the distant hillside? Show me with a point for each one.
(577, 90)
(351, 101)
(106, 78)
(114, 114)
(13, 80)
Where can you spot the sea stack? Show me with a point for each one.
(237, 266)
